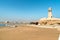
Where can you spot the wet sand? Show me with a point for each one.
(28, 33)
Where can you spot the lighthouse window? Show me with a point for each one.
(49, 10)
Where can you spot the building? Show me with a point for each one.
(50, 20)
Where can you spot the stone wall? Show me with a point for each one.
(49, 22)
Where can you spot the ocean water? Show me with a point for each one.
(2, 24)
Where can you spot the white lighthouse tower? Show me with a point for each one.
(50, 13)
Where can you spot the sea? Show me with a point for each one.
(2, 25)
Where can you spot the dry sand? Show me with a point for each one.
(28, 33)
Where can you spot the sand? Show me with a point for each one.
(28, 33)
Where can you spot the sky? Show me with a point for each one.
(28, 9)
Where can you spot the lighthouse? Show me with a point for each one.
(50, 13)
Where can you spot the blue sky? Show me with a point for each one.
(28, 9)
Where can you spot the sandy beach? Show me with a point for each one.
(28, 33)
